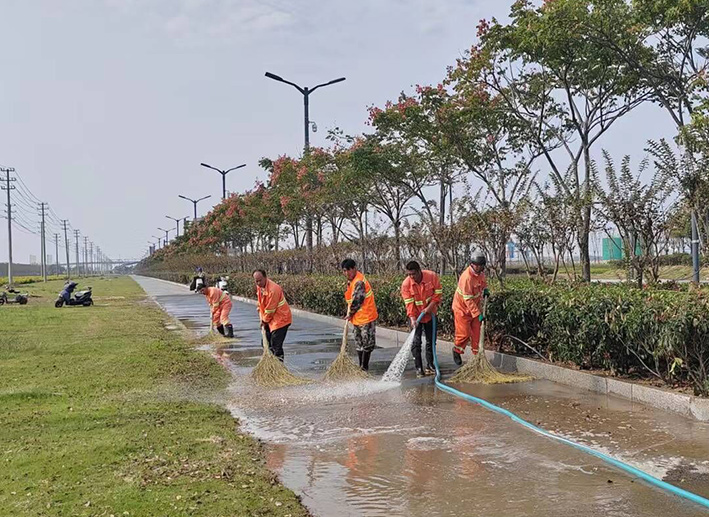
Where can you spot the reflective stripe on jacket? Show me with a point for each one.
(272, 306)
(418, 296)
(215, 296)
(468, 297)
(368, 311)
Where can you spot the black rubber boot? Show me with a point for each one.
(229, 330)
(220, 329)
(419, 364)
(365, 360)
(457, 359)
(359, 355)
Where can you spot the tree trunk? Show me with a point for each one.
(397, 244)
(442, 222)
(585, 233)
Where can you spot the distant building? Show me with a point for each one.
(33, 260)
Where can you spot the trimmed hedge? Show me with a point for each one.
(649, 333)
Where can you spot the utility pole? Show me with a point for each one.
(91, 258)
(44, 242)
(9, 187)
(86, 253)
(65, 222)
(78, 265)
(56, 251)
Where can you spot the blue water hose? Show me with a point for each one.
(588, 450)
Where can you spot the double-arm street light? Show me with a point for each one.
(223, 173)
(166, 232)
(305, 91)
(177, 222)
(194, 202)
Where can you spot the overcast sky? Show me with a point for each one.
(107, 107)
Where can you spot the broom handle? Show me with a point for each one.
(343, 346)
(481, 341)
(264, 339)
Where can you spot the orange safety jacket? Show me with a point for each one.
(272, 306)
(418, 296)
(215, 296)
(468, 296)
(368, 311)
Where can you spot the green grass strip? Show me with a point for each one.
(104, 412)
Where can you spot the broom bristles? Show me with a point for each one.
(479, 370)
(212, 338)
(343, 368)
(270, 371)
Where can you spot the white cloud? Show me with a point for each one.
(197, 22)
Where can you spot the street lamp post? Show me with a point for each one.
(177, 222)
(166, 232)
(194, 203)
(223, 173)
(305, 91)
(159, 241)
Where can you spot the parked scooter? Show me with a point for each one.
(82, 298)
(223, 284)
(19, 297)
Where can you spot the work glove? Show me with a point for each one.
(481, 318)
(486, 292)
(413, 322)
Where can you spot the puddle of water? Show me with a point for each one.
(375, 449)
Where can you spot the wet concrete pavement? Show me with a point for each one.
(375, 449)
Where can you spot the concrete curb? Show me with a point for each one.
(686, 405)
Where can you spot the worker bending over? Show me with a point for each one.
(273, 310)
(422, 293)
(361, 311)
(467, 307)
(220, 305)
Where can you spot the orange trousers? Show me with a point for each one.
(220, 314)
(467, 329)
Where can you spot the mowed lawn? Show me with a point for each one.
(104, 412)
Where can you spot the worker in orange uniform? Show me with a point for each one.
(273, 310)
(422, 293)
(361, 311)
(467, 307)
(220, 305)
